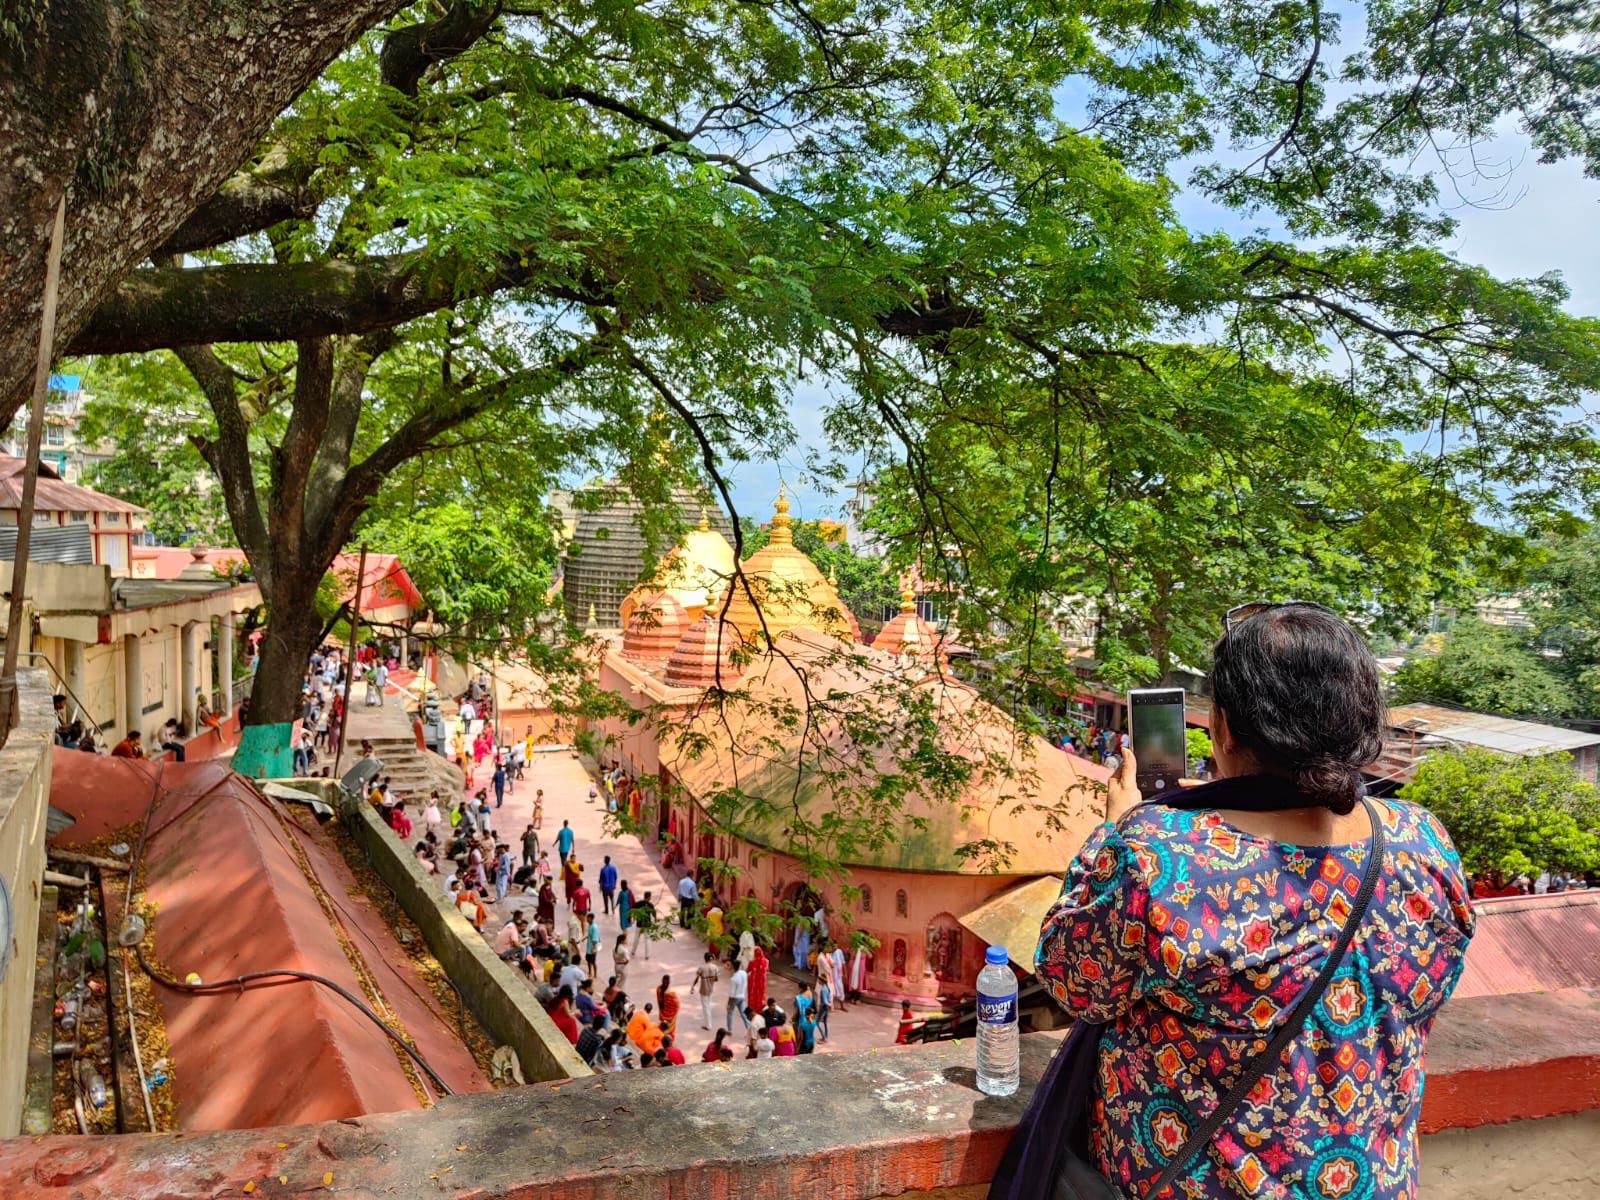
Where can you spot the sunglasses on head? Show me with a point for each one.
(1243, 612)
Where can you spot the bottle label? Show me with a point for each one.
(997, 1010)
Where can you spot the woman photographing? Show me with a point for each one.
(1254, 962)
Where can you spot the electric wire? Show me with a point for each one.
(240, 983)
(254, 979)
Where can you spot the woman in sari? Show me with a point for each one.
(783, 1041)
(545, 910)
(757, 990)
(625, 906)
(667, 1004)
(571, 876)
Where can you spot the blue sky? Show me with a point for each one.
(1532, 218)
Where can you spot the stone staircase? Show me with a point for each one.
(413, 772)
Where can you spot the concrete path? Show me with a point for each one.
(566, 780)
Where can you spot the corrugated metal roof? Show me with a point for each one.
(1504, 734)
(1533, 944)
(50, 543)
(54, 494)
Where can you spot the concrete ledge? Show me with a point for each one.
(895, 1122)
(1506, 1058)
(502, 1002)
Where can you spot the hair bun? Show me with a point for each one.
(1329, 781)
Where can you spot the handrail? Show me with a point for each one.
(66, 687)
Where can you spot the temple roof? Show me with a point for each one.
(907, 633)
(694, 571)
(782, 589)
(1036, 819)
(654, 627)
(609, 553)
(694, 661)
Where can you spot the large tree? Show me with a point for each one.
(588, 217)
(141, 114)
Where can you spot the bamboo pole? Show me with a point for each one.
(350, 659)
(30, 474)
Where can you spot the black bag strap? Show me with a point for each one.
(1290, 1029)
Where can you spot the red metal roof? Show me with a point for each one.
(240, 884)
(1533, 944)
(386, 582)
(53, 493)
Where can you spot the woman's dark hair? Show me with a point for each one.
(1299, 689)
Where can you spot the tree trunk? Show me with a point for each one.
(138, 112)
(292, 631)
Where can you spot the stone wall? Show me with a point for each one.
(24, 800)
(503, 1003)
(903, 1122)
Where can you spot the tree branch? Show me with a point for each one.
(408, 52)
(161, 307)
(256, 198)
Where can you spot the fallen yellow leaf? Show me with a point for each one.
(460, 1147)
(283, 1145)
(283, 1179)
(249, 1187)
(327, 1178)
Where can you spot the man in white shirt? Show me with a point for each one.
(572, 975)
(688, 893)
(738, 993)
(705, 982)
(469, 714)
(382, 678)
(755, 1030)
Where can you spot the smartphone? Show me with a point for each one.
(1155, 725)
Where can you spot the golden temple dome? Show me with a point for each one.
(782, 589)
(693, 572)
(907, 633)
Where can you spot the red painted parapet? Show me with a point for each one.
(837, 1126)
(1507, 1058)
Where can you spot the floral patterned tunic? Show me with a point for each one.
(1191, 940)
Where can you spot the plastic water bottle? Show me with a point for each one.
(999, 1051)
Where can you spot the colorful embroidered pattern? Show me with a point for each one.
(1192, 940)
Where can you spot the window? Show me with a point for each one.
(55, 435)
(111, 518)
(866, 899)
(900, 903)
(79, 518)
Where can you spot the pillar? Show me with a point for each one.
(132, 684)
(225, 637)
(187, 675)
(72, 672)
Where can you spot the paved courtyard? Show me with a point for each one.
(566, 780)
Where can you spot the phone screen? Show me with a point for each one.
(1155, 718)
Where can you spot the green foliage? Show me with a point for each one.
(485, 574)
(144, 408)
(1516, 815)
(1564, 604)
(1491, 668)
(1196, 745)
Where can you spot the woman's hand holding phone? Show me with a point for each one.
(1122, 790)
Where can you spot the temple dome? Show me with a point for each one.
(654, 628)
(695, 658)
(694, 572)
(788, 590)
(608, 553)
(907, 633)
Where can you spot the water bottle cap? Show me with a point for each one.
(996, 956)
